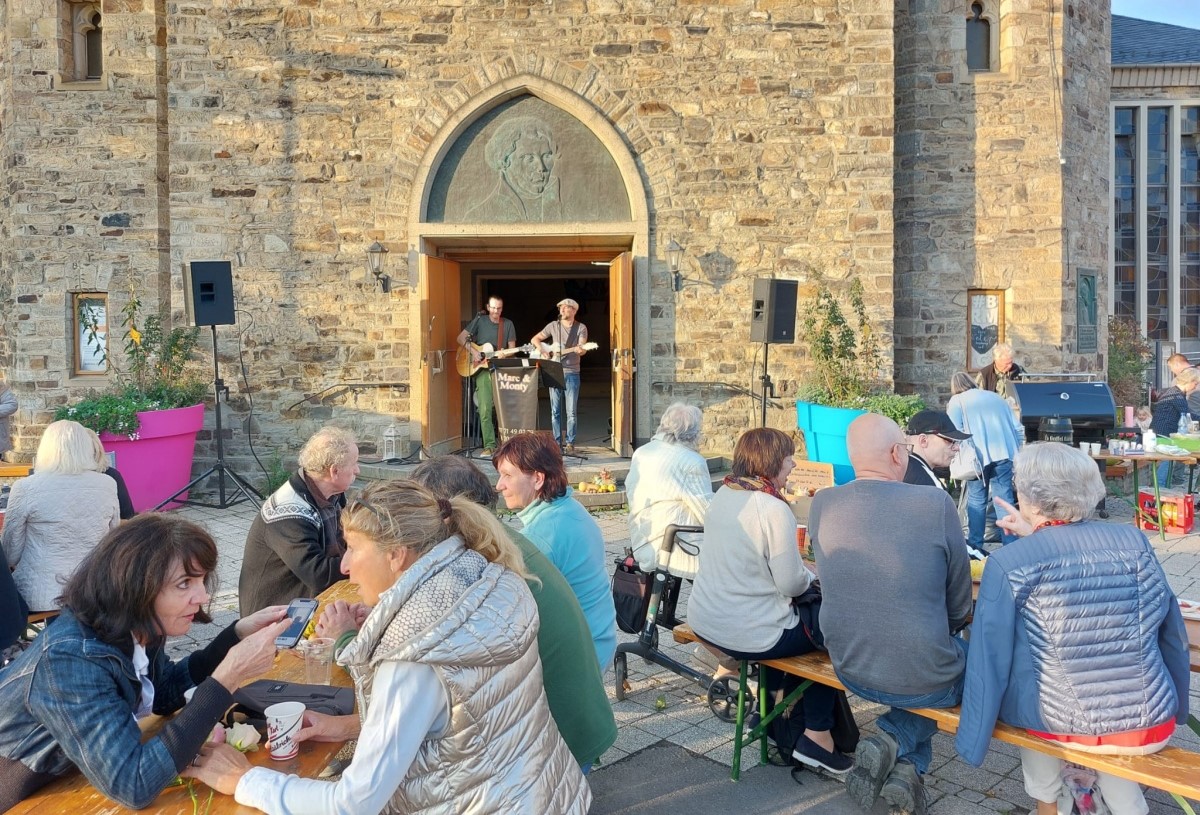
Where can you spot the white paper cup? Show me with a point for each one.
(1083, 445)
(318, 660)
(1095, 448)
(283, 722)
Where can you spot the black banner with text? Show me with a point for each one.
(516, 395)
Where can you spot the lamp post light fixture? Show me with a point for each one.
(674, 259)
(375, 258)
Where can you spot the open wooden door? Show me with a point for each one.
(624, 363)
(440, 403)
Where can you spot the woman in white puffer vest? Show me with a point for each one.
(452, 714)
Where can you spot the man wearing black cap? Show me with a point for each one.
(933, 441)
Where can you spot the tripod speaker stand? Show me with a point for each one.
(242, 490)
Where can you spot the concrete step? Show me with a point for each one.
(586, 467)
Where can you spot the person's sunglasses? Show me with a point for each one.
(948, 440)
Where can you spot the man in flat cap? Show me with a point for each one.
(563, 341)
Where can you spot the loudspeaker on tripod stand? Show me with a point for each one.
(208, 292)
(773, 311)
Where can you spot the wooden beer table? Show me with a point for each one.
(74, 795)
(1136, 459)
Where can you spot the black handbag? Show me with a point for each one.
(258, 696)
(631, 588)
(808, 607)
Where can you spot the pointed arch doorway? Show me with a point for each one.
(579, 216)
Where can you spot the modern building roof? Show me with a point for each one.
(1141, 42)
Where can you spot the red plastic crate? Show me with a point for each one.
(1178, 512)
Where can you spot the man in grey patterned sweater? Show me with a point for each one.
(894, 594)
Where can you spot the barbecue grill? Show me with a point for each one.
(1089, 406)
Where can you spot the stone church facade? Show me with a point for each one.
(833, 139)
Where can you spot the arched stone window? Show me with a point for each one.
(86, 37)
(93, 47)
(979, 40)
(81, 42)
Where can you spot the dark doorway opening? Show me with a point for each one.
(530, 293)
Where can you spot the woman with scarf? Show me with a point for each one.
(750, 570)
(451, 712)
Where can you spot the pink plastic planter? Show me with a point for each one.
(158, 463)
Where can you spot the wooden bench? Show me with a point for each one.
(14, 470)
(1173, 769)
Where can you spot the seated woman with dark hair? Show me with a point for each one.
(1077, 636)
(73, 698)
(533, 481)
(750, 570)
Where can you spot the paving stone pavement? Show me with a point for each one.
(956, 788)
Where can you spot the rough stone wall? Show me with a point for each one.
(6, 257)
(85, 184)
(935, 178)
(995, 138)
(1086, 145)
(762, 129)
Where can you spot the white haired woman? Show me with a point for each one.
(447, 673)
(996, 437)
(1077, 636)
(669, 483)
(59, 513)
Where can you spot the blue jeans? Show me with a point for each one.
(997, 482)
(913, 733)
(556, 401)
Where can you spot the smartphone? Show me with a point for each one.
(299, 611)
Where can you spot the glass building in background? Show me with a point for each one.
(1154, 246)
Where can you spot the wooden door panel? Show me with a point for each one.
(442, 386)
(620, 321)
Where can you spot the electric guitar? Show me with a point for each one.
(557, 352)
(467, 368)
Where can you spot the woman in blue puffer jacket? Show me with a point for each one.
(1077, 637)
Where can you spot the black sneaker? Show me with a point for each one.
(810, 753)
(904, 791)
(873, 760)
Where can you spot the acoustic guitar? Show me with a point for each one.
(466, 368)
(557, 352)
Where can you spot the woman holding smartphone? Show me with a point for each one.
(446, 670)
(74, 697)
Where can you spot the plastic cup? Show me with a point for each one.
(802, 539)
(1084, 446)
(318, 660)
(283, 722)
(1095, 447)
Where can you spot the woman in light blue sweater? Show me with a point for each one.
(533, 481)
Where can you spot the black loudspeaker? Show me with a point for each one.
(773, 314)
(208, 292)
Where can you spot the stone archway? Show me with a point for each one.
(439, 222)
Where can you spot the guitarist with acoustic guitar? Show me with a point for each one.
(564, 341)
(487, 329)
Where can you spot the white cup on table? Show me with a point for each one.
(283, 722)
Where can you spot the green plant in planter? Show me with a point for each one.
(157, 378)
(846, 360)
(1129, 353)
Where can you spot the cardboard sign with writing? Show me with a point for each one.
(809, 476)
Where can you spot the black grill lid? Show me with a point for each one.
(1084, 403)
